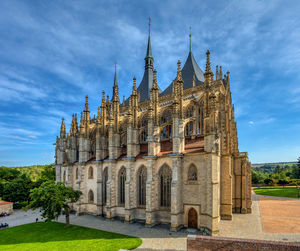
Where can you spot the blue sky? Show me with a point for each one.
(53, 53)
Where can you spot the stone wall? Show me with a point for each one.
(208, 243)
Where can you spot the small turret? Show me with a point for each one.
(221, 74)
(63, 129)
(217, 72)
(208, 75)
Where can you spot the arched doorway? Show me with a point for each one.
(192, 218)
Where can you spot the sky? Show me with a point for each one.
(53, 53)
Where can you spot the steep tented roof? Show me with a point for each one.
(190, 67)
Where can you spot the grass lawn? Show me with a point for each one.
(290, 192)
(55, 236)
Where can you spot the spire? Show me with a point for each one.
(221, 74)
(149, 59)
(217, 72)
(86, 109)
(155, 85)
(179, 75)
(134, 90)
(115, 78)
(208, 75)
(103, 99)
(115, 96)
(190, 39)
(63, 129)
(76, 123)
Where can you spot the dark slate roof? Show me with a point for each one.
(187, 71)
(146, 85)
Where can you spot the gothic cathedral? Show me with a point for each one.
(160, 157)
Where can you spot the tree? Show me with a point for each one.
(268, 181)
(283, 182)
(17, 190)
(52, 198)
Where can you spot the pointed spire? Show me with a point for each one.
(134, 85)
(107, 99)
(115, 78)
(115, 96)
(179, 75)
(149, 59)
(208, 75)
(86, 103)
(217, 72)
(190, 35)
(76, 123)
(103, 99)
(63, 129)
(155, 85)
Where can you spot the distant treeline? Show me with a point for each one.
(16, 182)
(282, 173)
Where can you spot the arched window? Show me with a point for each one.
(166, 125)
(189, 129)
(165, 175)
(192, 173)
(144, 135)
(91, 196)
(64, 176)
(76, 173)
(122, 179)
(104, 181)
(166, 132)
(166, 117)
(189, 113)
(142, 177)
(91, 173)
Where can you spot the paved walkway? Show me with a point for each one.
(160, 238)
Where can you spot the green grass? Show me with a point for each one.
(290, 192)
(56, 236)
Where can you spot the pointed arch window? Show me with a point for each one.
(192, 173)
(105, 179)
(189, 113)
(165, 176)
(189, 129)
(91, 196)
(142, 177)
(122, 179)
(91, 173)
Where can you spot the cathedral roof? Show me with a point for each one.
(190, 67)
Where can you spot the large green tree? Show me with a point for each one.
(52, 199)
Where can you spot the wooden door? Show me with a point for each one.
(192, 218)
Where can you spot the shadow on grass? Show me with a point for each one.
(54, 231)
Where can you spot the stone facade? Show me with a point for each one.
(156, 159)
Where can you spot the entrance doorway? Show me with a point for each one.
(192, 218)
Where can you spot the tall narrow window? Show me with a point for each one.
(122, 179)
(192, 173)
(165, 175)
(189, 129)
(142, 177)
(105, 178)
(91, 173)
(91, 196)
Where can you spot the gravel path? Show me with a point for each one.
(160, 238)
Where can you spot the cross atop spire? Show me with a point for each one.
(149, 58)
(190, 35)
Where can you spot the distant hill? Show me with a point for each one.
(34, 171)
(290, 163)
